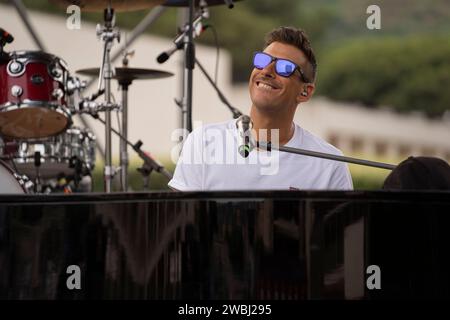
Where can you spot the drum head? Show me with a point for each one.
(30, 122)
(8, 182)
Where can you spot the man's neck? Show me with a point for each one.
(281, 122)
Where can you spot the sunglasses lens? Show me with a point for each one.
(261, 60)
(285, 68)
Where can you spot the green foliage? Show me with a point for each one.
(406, 74)
(367, 183)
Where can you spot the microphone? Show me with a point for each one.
(5, 37)
(245, 145)
(179, 40)
(163, 57)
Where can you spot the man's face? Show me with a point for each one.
(271, 92)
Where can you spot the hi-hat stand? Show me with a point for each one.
(124, 84)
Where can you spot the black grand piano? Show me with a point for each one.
(287, 245)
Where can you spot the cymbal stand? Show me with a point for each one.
(108, 33)
(124, 84)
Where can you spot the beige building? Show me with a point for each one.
(376, 132)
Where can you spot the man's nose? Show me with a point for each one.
(269, 70)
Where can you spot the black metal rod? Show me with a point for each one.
(369, 163)
(190, 64)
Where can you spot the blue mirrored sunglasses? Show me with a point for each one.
(283, 67)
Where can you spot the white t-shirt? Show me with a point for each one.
(210, 161)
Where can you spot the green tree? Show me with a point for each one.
(406, 74)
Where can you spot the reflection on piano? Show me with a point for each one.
(285, 245)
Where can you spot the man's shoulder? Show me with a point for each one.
(313, 142)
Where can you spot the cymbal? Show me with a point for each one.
(129, 74)
(117, 5)
(185, 3)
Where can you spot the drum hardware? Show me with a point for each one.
(74, 85)
(145, 171)
(149, 165)
(16, 91)
(107, 33)
(118, 5)
(129, 74)
(5, 37)
(140, 28)
(34, 102)
(92, 107)
(37, 165)
(70, 155)
(124, 84)
(13, 183)
(28, 185)
(17, 66)
(125, 76)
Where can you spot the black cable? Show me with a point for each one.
(216, 43)
(236, 112)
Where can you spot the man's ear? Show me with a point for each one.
(306, 93)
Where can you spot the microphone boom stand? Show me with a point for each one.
(150, 164)
(189, 68)
(189, 50)
(268, 146)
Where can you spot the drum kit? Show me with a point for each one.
(41, 150)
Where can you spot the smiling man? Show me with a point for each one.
(283, 77)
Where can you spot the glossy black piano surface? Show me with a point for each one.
(226, 245)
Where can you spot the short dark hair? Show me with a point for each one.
(297, 38)
(419, 173)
